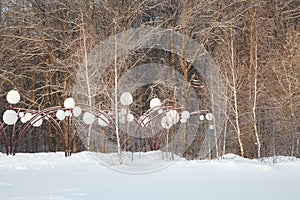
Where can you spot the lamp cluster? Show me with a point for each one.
(168, 116)
(171, 116)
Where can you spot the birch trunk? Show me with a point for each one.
(235, 96)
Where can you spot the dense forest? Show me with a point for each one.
(254, 43)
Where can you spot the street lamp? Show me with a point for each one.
(209, 118)
(10, 116)
(31, 118)
(160, 111)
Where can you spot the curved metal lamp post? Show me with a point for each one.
(33, 118)
(169, 116)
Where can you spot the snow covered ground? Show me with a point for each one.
(51, 176)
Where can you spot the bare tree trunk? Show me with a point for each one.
(89, 93)
(253, 62)
(213, 123)
(116, 92)
(255, 105)
(235, 96)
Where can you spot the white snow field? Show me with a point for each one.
(51, 176)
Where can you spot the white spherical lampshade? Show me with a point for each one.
(166, 122)
(155, 103)
(68, 113)
(185, 114)
(69, 103)
(28, 116)
(10, 117)
(183, 120)
(122, 112)
(61, 115)
(37, 122)
(209, 116)
(23, 120)
(88, 118)
(130, 117)
(13, 97)
(21, 114)
(173, 116)
(103, 121)
(126, 99)
(201, 117)
(160, 111)
(76, 111)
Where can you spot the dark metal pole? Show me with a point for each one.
(51, 121)
(11, 136)
(3, 137)
(69, 148)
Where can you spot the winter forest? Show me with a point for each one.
(254, 45)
